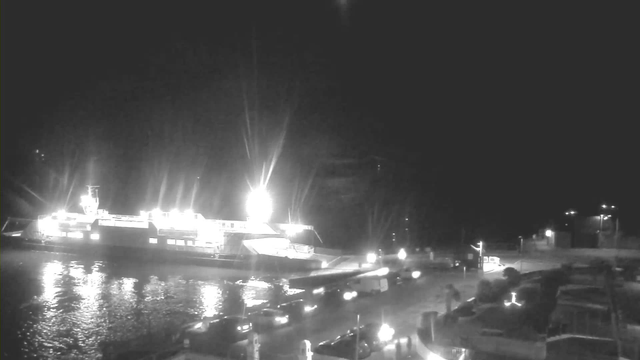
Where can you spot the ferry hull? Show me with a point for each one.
(161, 255)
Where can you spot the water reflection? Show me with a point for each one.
(62, 305)
(210, 296)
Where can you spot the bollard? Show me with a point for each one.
(305, 350)
(409, 344)
(398, 350)
(447, 298)
(253, 347)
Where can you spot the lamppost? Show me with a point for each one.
(571, 214)
(521, 244)
(479, 249)
(550, 235)
(406, 224)
(607, 211)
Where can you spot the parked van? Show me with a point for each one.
(369, 285)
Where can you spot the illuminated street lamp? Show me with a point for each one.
(371, 258)
(551, 240)
(480, 257)
(402, 254)
(259, 205)
(572, 215)
(607, 215)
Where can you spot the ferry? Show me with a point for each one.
(180, 236)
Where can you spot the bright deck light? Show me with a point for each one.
(259, 205)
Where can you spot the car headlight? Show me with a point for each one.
(282, 319)
(349, 295)
(318, 291)
(309, 308)
(386, 333)
(198, 326)
(244, 328)
(416, 274)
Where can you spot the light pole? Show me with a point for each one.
(550, 235)
(406, 224)
(521, 245)
(606, 213)
(480, 259)
(611, 209)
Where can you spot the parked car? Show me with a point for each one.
(376, 335)
(408, 274)
(369, 337)
(228, 329)
(338, 295)
(369, 285)
(343, 347)
(268, 319)
(297, 309)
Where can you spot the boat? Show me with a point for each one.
(175, 236)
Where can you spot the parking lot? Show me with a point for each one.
(399, 306)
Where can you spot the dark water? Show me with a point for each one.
(57, 305)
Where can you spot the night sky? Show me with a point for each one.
(496, 120)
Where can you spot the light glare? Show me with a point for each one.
(386, 333)
(371, 258)
(259, 205)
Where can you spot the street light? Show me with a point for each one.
(259, 205)
(402, 254)
(480, 259)
(548, 233)
(571, 214)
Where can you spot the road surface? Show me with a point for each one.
(400, 307)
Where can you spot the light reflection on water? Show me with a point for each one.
(59, 305)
